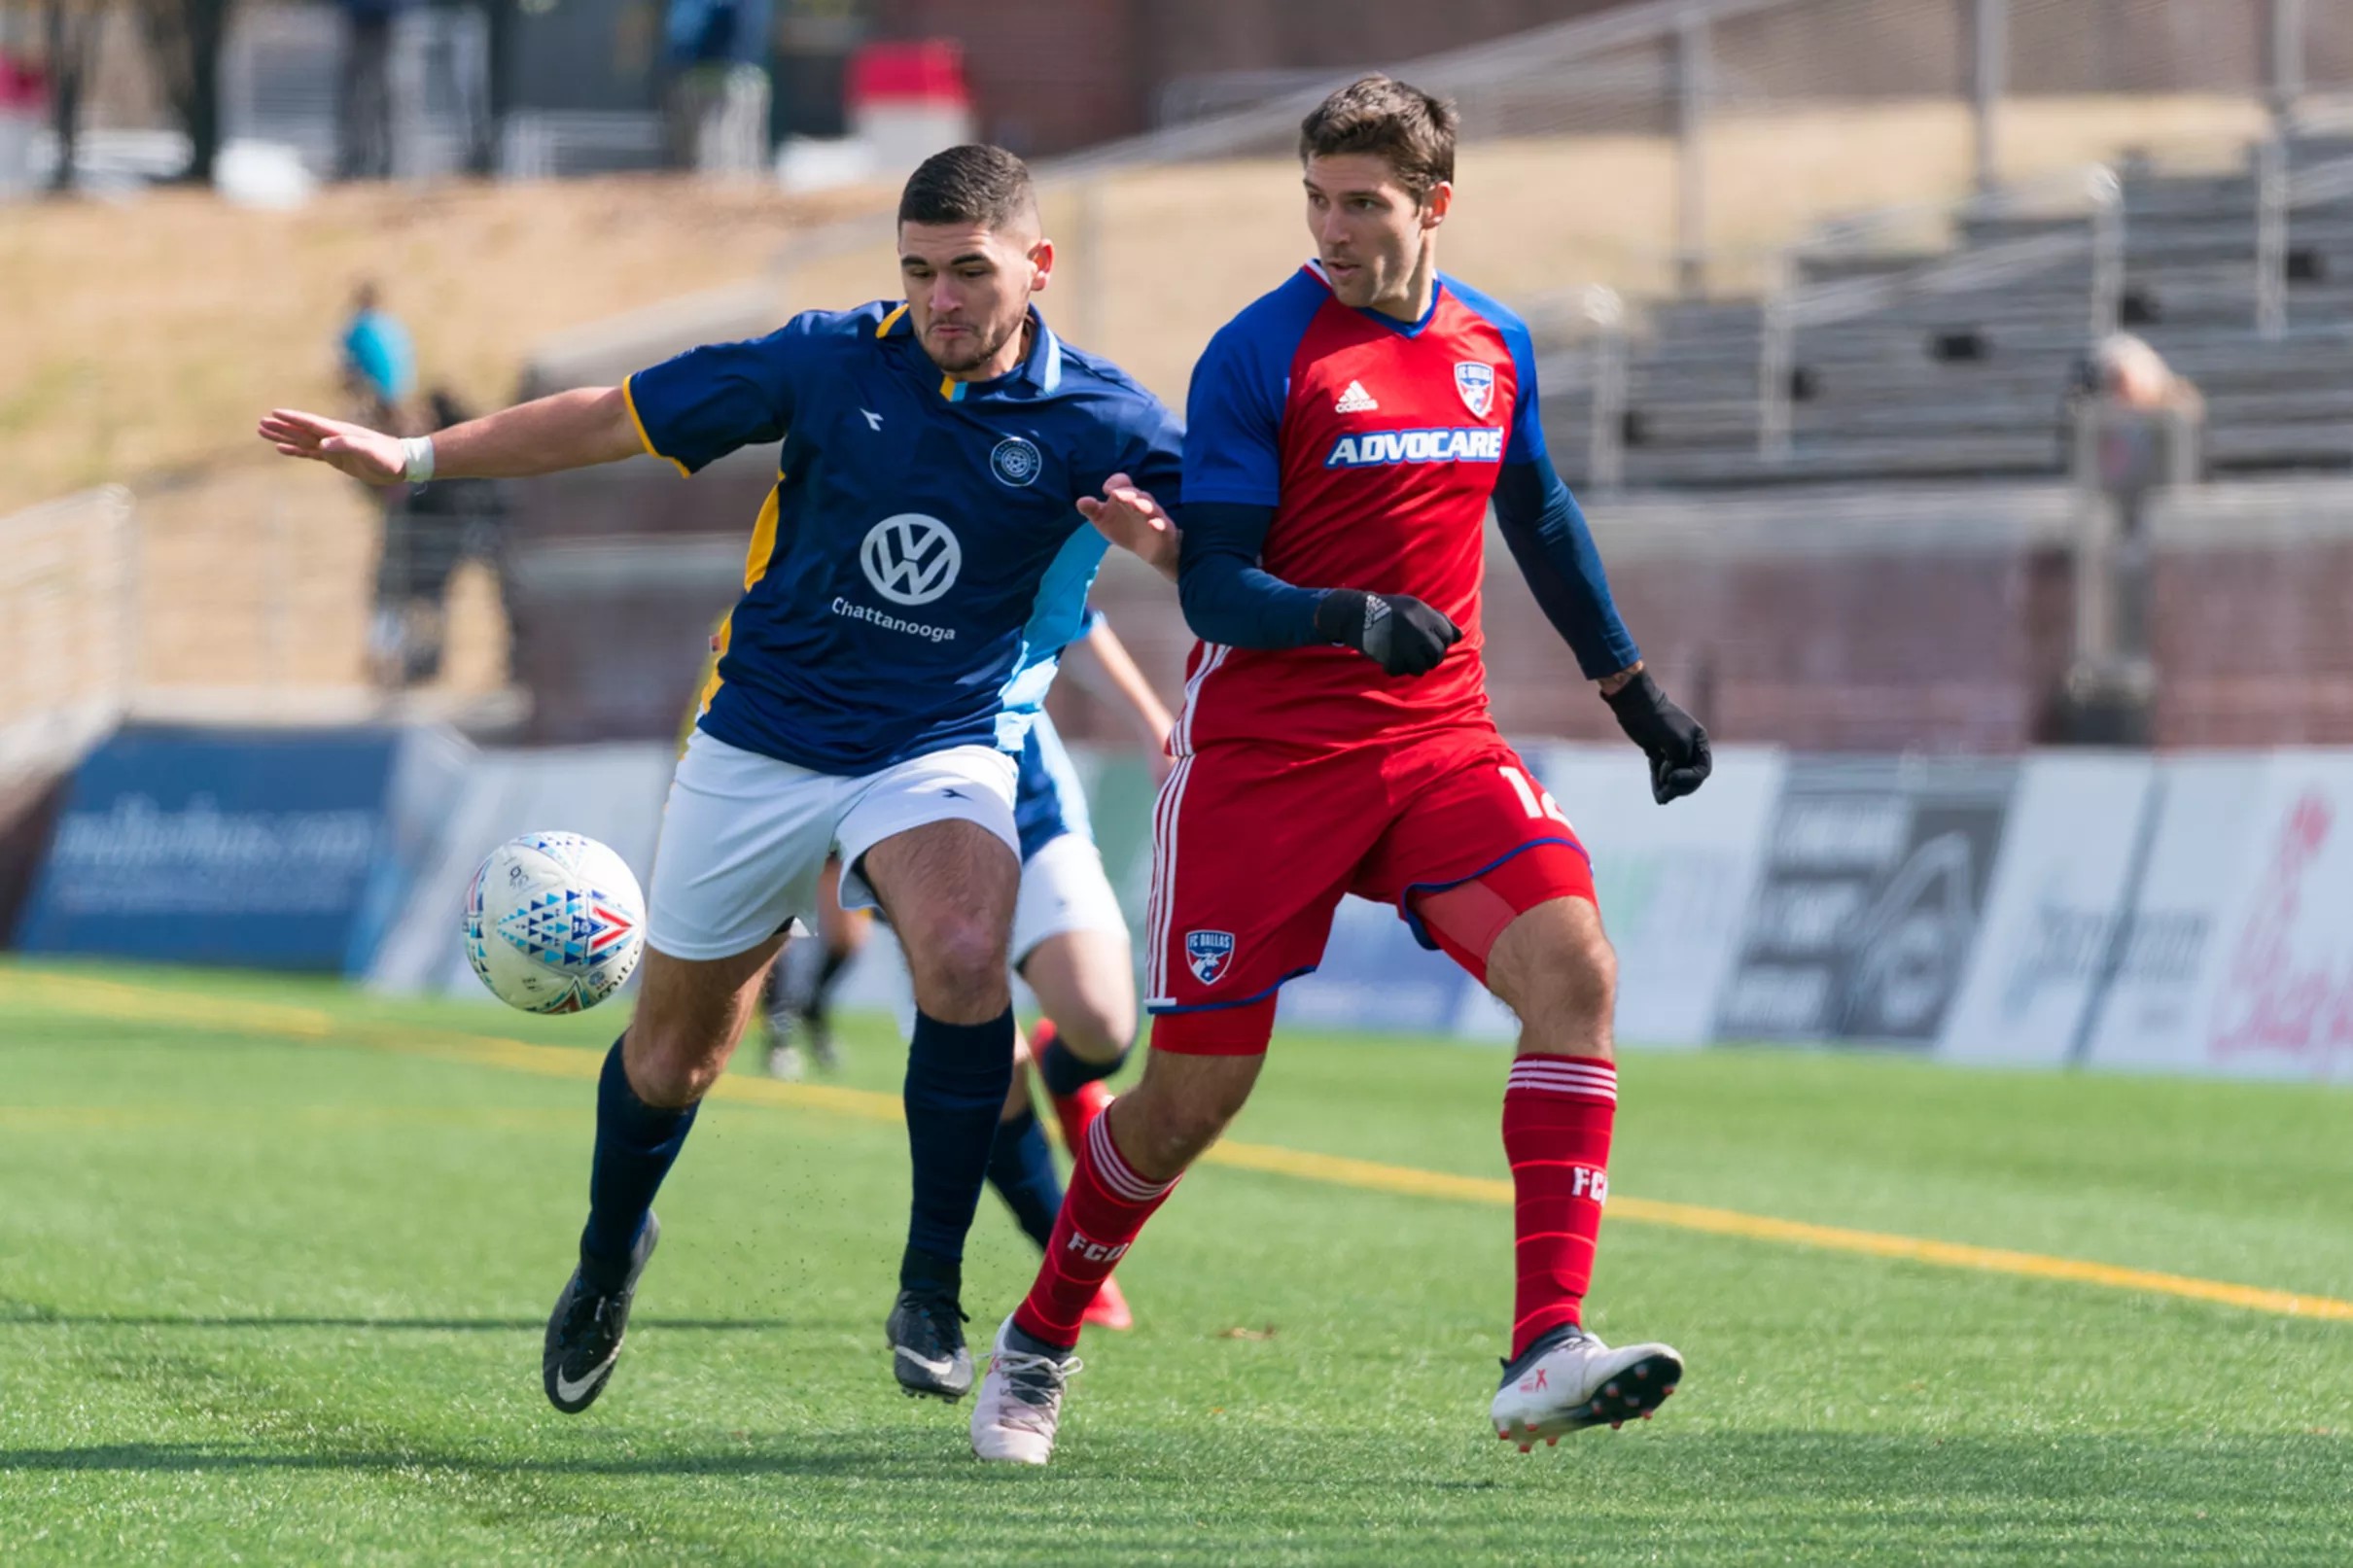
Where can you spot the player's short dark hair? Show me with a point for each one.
(1413, 130)
(973, 184)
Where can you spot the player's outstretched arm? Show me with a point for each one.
(1546, 531)
(571, 430)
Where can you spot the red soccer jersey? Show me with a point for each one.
(1378, 443)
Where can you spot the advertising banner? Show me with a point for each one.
(1674, 881)
(266, 849)
(2055, 930)
(2246, 909)
(613, 793)
(1869, 900)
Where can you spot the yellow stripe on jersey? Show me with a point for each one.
(755, 566)
(629, 401)
(952, 388)
(890, 321)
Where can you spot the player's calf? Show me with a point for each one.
(1183, 1105)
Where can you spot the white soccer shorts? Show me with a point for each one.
(744, 836)
(1062, 888)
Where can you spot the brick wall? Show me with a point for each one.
(1766, 632)
(1053, 75)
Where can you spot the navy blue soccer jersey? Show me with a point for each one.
(920, 562)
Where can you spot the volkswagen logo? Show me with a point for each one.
(911, 559)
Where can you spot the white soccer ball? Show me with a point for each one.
(554, 922)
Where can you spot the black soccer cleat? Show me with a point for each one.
(585, 1331)
(927, 1336)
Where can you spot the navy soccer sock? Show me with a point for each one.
(958, 1075)
(1064, 1072)
(635, 1145)
(1020, 1168)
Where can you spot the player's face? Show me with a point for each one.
(968, 291)
(1371, 234)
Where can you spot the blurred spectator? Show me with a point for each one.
(716, 104)
(364, 94)
(2134, 420)
(379, 364)
(429, 530)
(2135, 427)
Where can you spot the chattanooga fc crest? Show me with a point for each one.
(1209, 954)
(1015, 462)
(1477, 384)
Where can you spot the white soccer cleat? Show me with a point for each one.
(1569, 1380)
(1020, 1403)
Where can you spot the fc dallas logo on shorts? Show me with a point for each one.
(1209, 952)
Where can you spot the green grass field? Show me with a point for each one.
(276, 1257)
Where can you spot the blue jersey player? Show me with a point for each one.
(913, 576)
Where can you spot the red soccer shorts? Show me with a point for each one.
(1254, 845)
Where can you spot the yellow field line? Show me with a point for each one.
(91, 997)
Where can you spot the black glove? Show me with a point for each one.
(1677, 745)
(1395, 631)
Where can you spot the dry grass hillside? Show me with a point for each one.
(143, 339)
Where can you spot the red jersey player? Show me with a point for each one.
(1348, 431)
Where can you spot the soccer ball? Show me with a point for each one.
(553, 923)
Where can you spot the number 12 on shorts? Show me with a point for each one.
(1538, 799)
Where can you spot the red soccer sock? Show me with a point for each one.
(1104, 1207)
(1556, 1116)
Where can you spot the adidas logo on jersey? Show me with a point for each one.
(1355, 401)
(1381, 448)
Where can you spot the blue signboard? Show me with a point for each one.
(263, 849)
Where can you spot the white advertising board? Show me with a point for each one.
(612, 792)
(2053, 913)
(2247, 906)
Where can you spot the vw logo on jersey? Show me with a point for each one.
(911, 559)
(1015, 460)
(1209, 952)
(1477, 384)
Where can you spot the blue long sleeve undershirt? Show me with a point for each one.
(1229, 597)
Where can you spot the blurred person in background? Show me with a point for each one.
(2136, 428)
(379, 363)
(431, 530)
(363, 91)
(716, 53)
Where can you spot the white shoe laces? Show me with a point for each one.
(1033, 1387)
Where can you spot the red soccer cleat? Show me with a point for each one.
(1078, 1112)
(1109, 1308)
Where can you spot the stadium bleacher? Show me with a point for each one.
(1910, 363)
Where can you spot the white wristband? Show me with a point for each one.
(417, 458)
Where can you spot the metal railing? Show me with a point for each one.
(69, 621)
(1796, 303)
(2279, 192)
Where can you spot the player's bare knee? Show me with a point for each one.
(674, 1067)
(1093, 1034)
(1559, 974)
(958, 965)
